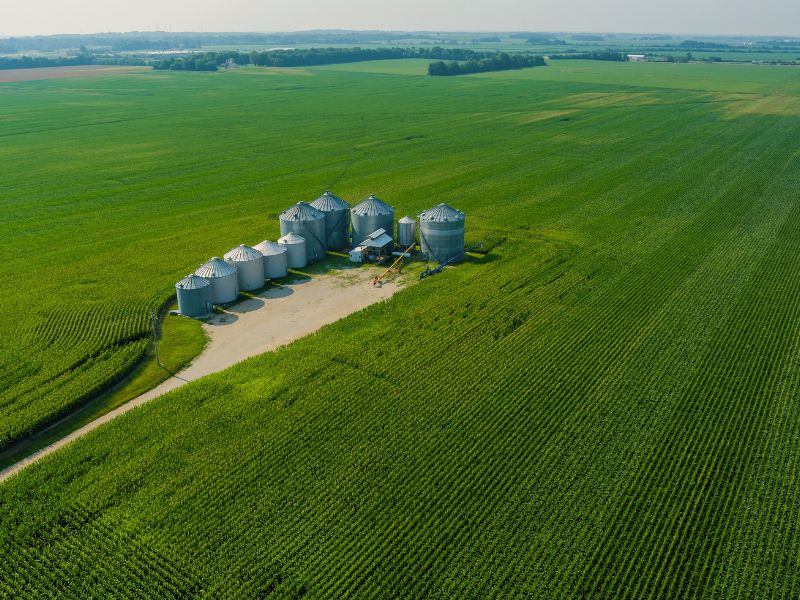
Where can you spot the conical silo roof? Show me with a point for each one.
(268, 248)
(406, 220)
(372, 206)
(442, 213)
(192, 282)
(329, 202)
(216, 267)
(292, 238)
(243, 253)
(302, 211)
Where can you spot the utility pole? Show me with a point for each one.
(155, 336)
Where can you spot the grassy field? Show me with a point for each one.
(606, 405)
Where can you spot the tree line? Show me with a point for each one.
(595, 55)
(32, 62)
(499, 61)
(308, 57)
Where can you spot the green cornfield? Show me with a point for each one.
(605, 405)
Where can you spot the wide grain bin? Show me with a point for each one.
(337, 219)
(441, 234)
(309, 223)
(406, 232)
(276, 259)
(295, 250)
(369, 216)
(194, 296)
(249, 264)
(224, 280)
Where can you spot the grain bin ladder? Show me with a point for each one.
(429, 272)
(396, 263)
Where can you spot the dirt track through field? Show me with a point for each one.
(276, 317)
(42, 73)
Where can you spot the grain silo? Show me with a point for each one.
(369, 216)
(337, 219)
(223, 278)
(295, 250)
(276, 259)
(309, 223)
(406, 232)
(249, 264)
(194, 296)
(441, 234)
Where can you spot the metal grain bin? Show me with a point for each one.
(194, 296)
(406, 232)
(372, 214)
(441, 234)
(337, 219)
(224, 280)
(295, 250)
(276, 259)
(249, 264)
(309, 223)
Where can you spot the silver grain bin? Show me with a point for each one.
(370, 215)
(249, 264)
(309, 223)
(223, 278)
(276, 259)
(295, 250)
(194, 296)
(441, 234)
(337, 219)
(406, 232)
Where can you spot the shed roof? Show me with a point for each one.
(216, 267)
(377, 239)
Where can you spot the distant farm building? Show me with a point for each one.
(636, 57)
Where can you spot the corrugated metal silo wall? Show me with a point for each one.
(276, 265)
(406, 234)
(251, 274)
(314, 234)
(441, 241)
(337, 228)
(194, 302)
(224, 289)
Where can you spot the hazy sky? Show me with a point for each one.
(29, 17)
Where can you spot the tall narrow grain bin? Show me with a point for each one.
(249, 264)
(224, 280)
(406, 232)
(369, 216)
(276, 259)
(194, 296)
(441, 234)
(337, 219)
(309, 223)
(295, 250)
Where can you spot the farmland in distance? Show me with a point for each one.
(604, 405)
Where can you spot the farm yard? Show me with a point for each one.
(604, 405)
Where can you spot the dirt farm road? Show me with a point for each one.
(274, 318)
